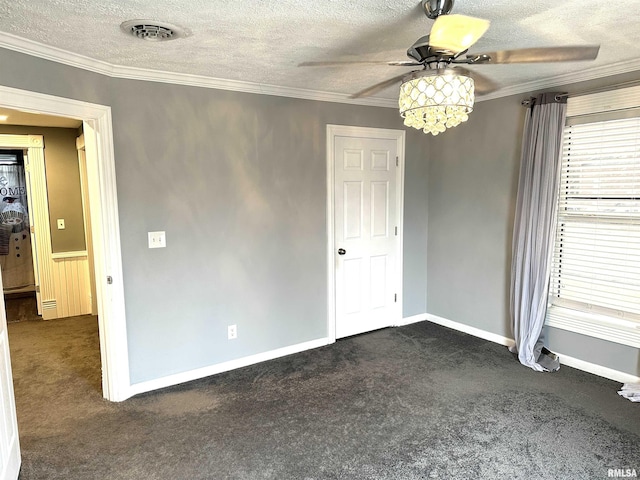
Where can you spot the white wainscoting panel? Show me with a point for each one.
(72, 283)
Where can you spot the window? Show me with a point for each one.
(595, 278)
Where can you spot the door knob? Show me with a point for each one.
(341, 251)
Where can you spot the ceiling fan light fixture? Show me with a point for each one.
(433, 101)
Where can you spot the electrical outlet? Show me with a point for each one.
(232, 332)
(61, 224)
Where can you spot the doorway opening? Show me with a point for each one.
(43, 222)
(105, 229)
(16, 259)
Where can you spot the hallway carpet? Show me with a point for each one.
(414, 402)
(21, 307)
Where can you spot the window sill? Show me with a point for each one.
(611, 329)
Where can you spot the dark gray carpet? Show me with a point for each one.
(21, 307)
(415, 402)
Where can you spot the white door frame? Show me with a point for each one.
(360, 132)
(38, 208)
(88, 238)
(105, 226)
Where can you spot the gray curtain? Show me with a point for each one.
(534, 229)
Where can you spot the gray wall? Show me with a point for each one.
(238, 183)
(63, 184)
(472, 188)
(43, 76)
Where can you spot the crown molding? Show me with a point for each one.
(134, 73)
(566, 79)
(54, 54)
(58, 55)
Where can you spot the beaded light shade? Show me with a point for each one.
(435, 100)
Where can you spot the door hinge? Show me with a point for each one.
(33, 229)
(397, 162)
(395, 297)
(396, 231)
(37, 288)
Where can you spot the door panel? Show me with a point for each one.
(378, 281)
(380, 160)
(379, 209)
(352, 159)
(353, 285)
(364, 227)
(352, 210)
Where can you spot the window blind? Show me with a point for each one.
(596, 259)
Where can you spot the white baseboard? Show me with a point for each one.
(595, 369)
(183, 377)
(413, 319)
(178, 378)
(567, 360)
(476, 332)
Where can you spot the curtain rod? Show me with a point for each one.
(527, 101)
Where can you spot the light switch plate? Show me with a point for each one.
(61, 224)
(157, 240)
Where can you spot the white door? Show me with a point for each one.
(9, 445)
(88, 236)
(365, 233)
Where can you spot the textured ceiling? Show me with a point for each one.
(263, 41)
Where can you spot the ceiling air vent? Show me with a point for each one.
(152, 30)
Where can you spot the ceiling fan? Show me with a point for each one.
(441, 93)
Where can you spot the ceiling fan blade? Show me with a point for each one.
(482, 83)
(456, 33)
(378, 87)
(330, 63)
(536, 55)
